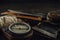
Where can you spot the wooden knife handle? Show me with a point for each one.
(37, 18)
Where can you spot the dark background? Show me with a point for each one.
(30, 6)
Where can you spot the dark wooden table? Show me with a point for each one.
(30, 8)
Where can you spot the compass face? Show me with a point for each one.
(19, 28)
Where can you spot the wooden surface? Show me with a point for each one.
(31, 8)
